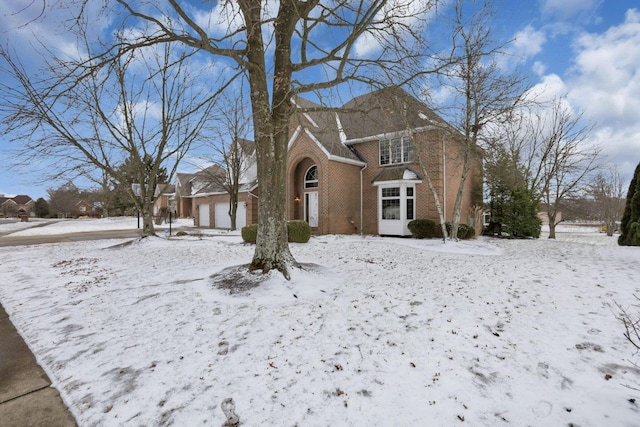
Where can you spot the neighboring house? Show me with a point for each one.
(182, 194)
(544, 217)
(359, 169)
(13, 207)
(83, 208)
(210, 199)
(165, 201)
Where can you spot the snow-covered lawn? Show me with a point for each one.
(377, 332)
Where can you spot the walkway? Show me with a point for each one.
(26, 395)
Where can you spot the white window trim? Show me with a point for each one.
(316, 181)
(402, 139)
(392, 226)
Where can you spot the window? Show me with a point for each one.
(397, 150)
(398, 203)
(83, 208)
(311, 177)
(391, 203)
(410, 205)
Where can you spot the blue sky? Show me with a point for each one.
(586, 49)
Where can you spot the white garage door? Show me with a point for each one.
(223, 220)
(203, 215)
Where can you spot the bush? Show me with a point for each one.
(630, 224)
(464, 231)
(299, 231)
(249, 233)
(422, 228)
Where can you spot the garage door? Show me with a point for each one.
(203, 216)
(223, 220)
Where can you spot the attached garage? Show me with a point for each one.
(222, 218)
(203, 216)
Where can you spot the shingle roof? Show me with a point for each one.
(377, 113)
(396, 173)
(324, 127)
(208, 181)
(22, 199)
(385, 111)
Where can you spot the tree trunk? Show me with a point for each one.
(148, 228)
(610, 227)
(552, 224)
(271, 129)
(272, 246)
(457, 209)
(233, 210)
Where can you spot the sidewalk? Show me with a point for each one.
(26, 395)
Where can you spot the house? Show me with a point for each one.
(210, 198)
(165, 202)
(17, 206)
(361, 169)
(84, 208)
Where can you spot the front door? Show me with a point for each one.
(311, 208)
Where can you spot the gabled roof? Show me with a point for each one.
(22, 199)
(366, 117)
(182, 179)
(248, 146)
(208, 181)
(166, 188)
(385, 111)
(325, 127)
(397, 173)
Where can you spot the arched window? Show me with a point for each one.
(311, 177)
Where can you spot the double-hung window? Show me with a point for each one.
(391, 203)
(396, 150)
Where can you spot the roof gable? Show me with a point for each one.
(22, 199)
(385, 111)
(366, 117)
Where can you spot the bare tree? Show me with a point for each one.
(62, 200)
(482, 92)
(142, 109)
(232, 154)
(631, 323)
(607, 192)
(560, 158)
(286, 48)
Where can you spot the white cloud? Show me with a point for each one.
(551, 87)
(567, 8)
(399, 13)
(223, 18)
(539, 68)
(26, 24)
(605, 79)
(604, 82)
(528, 42)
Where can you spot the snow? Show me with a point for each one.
(375, 331)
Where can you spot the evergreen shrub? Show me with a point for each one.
(630, 224)
(249, 233)
(422, 228)
(464, 231)
(299, 231)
